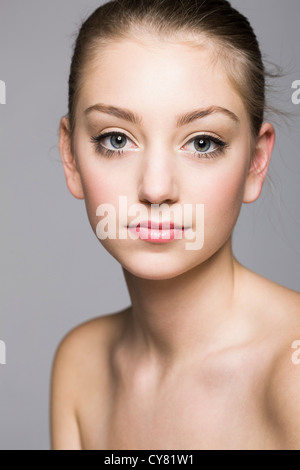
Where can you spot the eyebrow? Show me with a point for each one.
(118, 112)
(201, 113)
(182, 120)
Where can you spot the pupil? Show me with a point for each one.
(118, 141)
(202, 145)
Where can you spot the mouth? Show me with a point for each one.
(155, 232)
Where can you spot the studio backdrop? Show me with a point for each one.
(54, 272)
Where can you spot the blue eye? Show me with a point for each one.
(205, 146)
(118, 141)
(112, 143)
(202, 145)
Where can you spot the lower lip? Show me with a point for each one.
(156, 235)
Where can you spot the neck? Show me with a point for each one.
(171, 319)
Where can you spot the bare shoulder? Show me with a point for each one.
(273, 306)
(280, 312)
(87, 345)
(84, 341)
(79, 365)
(266, 290)
(284, 390)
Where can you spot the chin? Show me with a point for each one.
(154, 274)
(160, 268)
(159, 263)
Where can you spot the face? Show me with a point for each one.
(159, 123)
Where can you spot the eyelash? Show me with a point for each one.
(103, 150)
(222, 146)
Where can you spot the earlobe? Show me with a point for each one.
(72, 174)
(259, 163)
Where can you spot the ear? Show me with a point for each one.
(70, 167)
(259, 163)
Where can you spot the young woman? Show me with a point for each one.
(166, 114)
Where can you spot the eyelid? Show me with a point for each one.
(109, 131)
(210, 154)
(215, 140)
(203, 134)
(114, 131)
(221, 144)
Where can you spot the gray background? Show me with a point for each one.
(55, 274)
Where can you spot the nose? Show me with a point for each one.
(158, 182)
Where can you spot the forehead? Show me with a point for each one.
(161, 75)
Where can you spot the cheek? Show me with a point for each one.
(221, 192)
(98, 190)
(101, 184)
(98, 187)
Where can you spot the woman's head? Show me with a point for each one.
(159, 115)
(214, 22)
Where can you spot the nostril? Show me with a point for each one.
(158, 194)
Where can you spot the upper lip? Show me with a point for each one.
(158, 225)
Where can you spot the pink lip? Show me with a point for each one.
(157, 232)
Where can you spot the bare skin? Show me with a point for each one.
(202, 359)
(239, 391)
